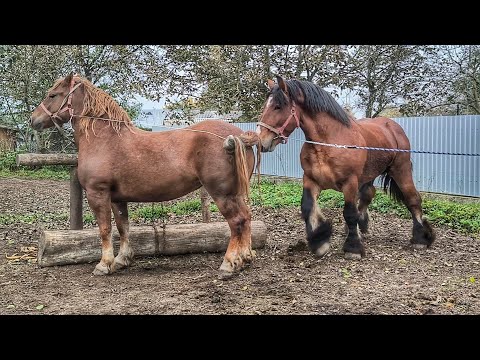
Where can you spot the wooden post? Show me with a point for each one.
(76, 191)
(204, 198)
(76, 201)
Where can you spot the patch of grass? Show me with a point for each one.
(276, 195)
(151, 212)
(462, 216)
(9, 169)
(8, 219)
(43, 173)
(289, 193)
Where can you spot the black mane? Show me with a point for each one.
(316, 99)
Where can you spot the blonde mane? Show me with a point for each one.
(97, 103)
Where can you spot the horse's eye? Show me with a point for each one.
(52, 96)
(276, 107)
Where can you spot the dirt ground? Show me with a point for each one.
(285, 278)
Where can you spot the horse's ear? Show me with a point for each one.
(270, 83)
(282, 84)
(68, 78)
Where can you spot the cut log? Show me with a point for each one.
(46, 159)
(63, 247)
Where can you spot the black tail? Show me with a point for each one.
(388, 183)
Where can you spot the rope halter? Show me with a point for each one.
(279, 131)
(61, 109)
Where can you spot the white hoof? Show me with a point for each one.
(323, 249)
(101, 269)
(419, 246)
(352, 256)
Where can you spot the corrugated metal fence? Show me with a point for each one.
(448, 174)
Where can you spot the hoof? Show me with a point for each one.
(226, 270)
(225, 275)
(352, 256)
(117, 265)
(120, 262)
(419, 246)
(322, 250)
(101, 269)
(226, 266)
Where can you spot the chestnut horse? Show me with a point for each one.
(293, 103)
(118, 163)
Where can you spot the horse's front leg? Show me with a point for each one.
(125, 254)
(353, 246)
(99, 201)
(319, 230)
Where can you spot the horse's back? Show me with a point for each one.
(217, 127)
(383, 131)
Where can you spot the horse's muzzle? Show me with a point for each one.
(36, 125)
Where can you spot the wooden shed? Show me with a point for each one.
(8, 138)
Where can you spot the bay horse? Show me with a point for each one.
(119, 163)
(293, 103)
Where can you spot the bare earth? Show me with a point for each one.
(284, 279)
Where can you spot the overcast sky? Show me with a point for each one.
(148, 104)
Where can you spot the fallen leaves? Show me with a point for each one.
(29, 254)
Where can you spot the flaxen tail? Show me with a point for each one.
(235, 146)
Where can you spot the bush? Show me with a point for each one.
(8, 160)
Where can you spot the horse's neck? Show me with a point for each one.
(322, 127)
(98, 130)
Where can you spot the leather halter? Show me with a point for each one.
(67, 99)
(279, 131)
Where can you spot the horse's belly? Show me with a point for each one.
(124, 194)
(150, 189)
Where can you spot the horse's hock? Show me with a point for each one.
(75, 246)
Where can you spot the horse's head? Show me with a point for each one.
(279, 117)
(59, 105)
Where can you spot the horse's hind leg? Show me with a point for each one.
(319, 230)
(402, 186)
(99, 202)
(239, 252)
(353, 246)
(125, 254)
(366, 195)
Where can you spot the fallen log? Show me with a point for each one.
(46, 159)
(63, 247)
